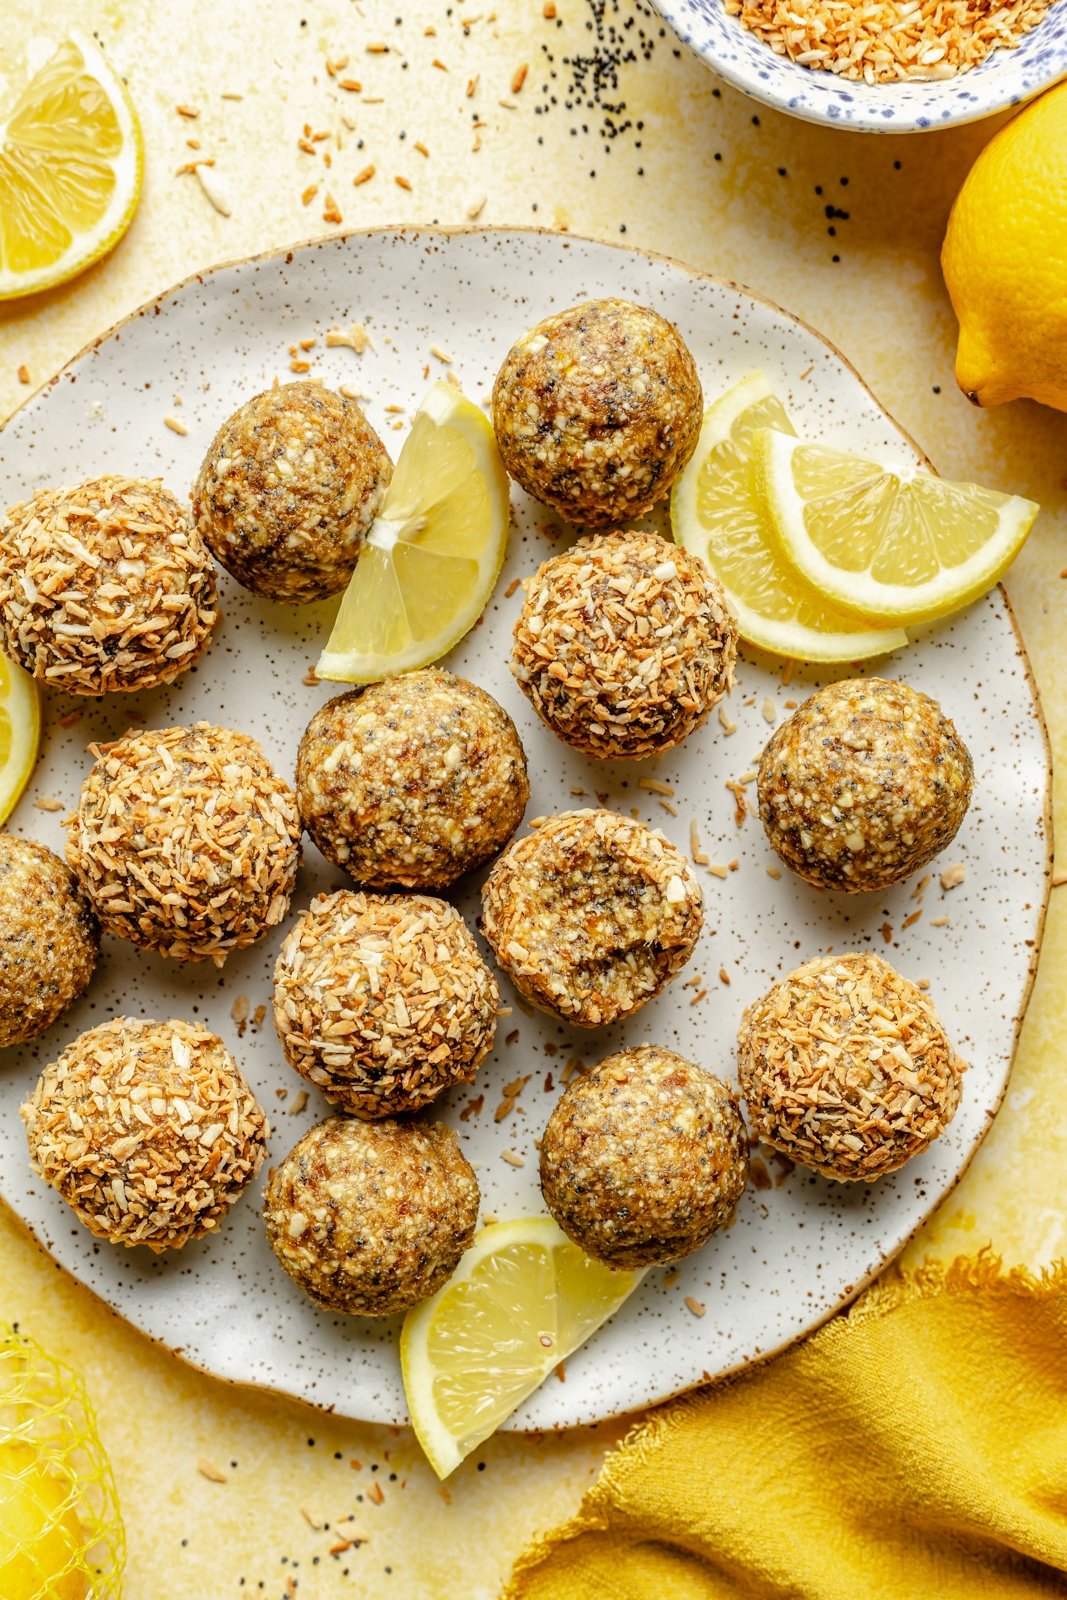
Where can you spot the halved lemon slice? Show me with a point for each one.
(715, 514)
(434, 552)
(71, 163)
(890, 543)
(521, 1300)
(20, 733)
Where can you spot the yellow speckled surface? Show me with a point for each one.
(712, 193)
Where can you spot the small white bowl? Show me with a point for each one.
(1004, 79)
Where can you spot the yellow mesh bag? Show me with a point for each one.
(61, 1533)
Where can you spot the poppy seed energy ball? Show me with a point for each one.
(49, 939)
(289, 487)
(592, 915)
(185, 841)
(369, 1218)
(147, 1130)
(597, 410)
(864, 785)
(104, 586)
(845, 1068)
(644, 1158)
(624, 644)
(413, 781)
(383, 1001)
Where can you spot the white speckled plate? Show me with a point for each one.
(800, 1246)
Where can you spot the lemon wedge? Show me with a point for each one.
(892, 544)
(715, 514)
(71, 165)
(20, 733)
(434, 552)
(521, 1300)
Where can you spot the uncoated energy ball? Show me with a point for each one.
(383, 1001)
(49, 939)
(845, 1068)
(624, 644)
(288, 488)
(864, 784)
(372, 1217)
(644, 1157)
(413, 781)
(596, 411)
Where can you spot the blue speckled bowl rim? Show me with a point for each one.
(1008, 77)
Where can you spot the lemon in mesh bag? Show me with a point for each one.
(61, 1535)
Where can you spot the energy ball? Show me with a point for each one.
(597, 410)
(288, 488)
(864, 784)
(147, 1130)
(644, 1158)
(383, 1002)
(413, 781)
(624, 644)
(49, 939)
(369, 1218)
(846, 1069)
(592, 915)
(186, 842)
(104, 586)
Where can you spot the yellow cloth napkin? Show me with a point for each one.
(915, 1447)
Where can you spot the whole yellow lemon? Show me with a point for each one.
(1005, 261)
(42, 1543)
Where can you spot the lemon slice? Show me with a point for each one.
(20, 733)
(434, 552)
(715, 515)
(890, 543)
(71, 163)
(521, 1300)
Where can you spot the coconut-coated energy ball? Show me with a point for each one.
(644, 1158)
(147, 1130)
(369, 1218)
(383, 1001)
(596, 411)
(288, 488)
(49, 939)
(624, 644)
(864, 785)
(413, 781)
(104, 586)
(592, 915)
(845, 1068)
(186, 841)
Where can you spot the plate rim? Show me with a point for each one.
(466, 230)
